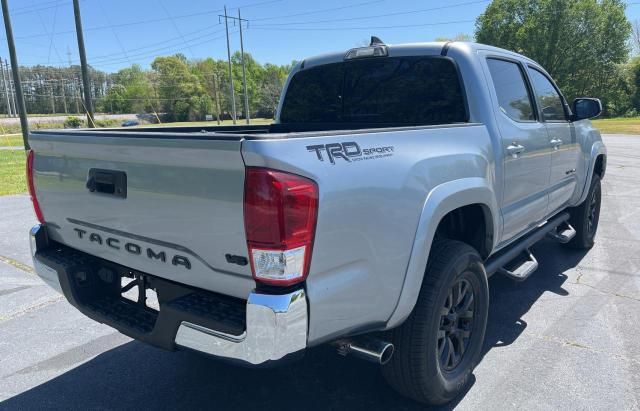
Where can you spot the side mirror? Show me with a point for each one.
(584, 108)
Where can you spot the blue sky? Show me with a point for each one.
(121, 32)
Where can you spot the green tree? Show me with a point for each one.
(580, 42)
(130, 93)
(270, 88)
(634, 84)
(178, 88)
(210, 72)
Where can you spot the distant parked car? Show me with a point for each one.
(130, 123)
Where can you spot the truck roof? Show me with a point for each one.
(434, 48)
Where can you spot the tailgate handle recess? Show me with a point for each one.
(109, 182)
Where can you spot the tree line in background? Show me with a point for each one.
(174, 89)
(49, 89)
(185, 90)
(584, 44)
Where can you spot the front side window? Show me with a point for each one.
(513, 97)
(550, 100)
(389, 90)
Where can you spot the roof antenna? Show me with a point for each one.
(375, 41)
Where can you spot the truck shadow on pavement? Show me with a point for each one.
(511, 300)
(135, 375)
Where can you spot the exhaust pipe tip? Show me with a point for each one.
(368, 349)
(385, 354)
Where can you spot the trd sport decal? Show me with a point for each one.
(349, 151)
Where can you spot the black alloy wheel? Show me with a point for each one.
(456, 323)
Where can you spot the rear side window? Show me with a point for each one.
(390, 90)
(314, 95)
(550, 101)
(513, 97)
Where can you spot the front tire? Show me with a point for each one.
(440, 343)
(586, 216)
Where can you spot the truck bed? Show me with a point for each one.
(237, 132)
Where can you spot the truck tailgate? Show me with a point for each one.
(182, 213)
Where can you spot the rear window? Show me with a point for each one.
(390, 90)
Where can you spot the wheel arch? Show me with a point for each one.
(597, 165)
(465, 197)
(472, 224)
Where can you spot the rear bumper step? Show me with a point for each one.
(264, 328)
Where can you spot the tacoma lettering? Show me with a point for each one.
(134, 249)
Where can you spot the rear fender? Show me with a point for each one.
(440, 201)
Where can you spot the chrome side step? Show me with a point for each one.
(563, 233)
(521, 267)
(505, 256)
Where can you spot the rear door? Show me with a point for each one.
(562, 139)
(525, 145)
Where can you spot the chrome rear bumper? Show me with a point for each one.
(276, 325)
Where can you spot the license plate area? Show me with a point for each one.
(137, 288)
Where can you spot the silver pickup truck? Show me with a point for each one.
(394, 181)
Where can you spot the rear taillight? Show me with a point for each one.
(280, 212)
(32, 189)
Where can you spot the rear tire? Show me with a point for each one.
(440, 343)
(586, 216)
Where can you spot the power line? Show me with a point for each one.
(147, 50)
(106, 58)
(151, 53)
(38, 5)
(189, 40)
(34, 8)
(53, 28)
(51, 42)
(169, 40)
(124, 51)
(306, 13)
(376, 16)
(441, 23)
(175, 26)
(110, 56)
(139, 22)
(102, 61)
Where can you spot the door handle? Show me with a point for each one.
(555, 143)
(514, 149)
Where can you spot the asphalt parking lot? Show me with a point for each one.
(567, 338)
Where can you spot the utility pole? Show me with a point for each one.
(83, 65)
(215, 96)
(24, 124)
(233, 96)
(6, 90)
(52, 99)
(244, 73)
(12, 91)
(76, 94)
(64, 96)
